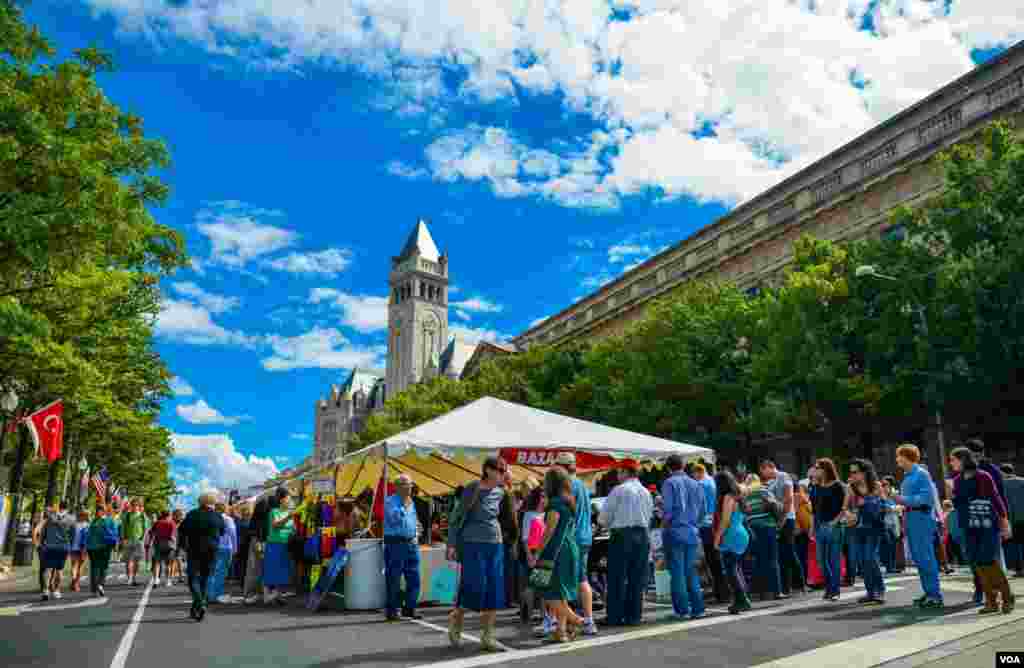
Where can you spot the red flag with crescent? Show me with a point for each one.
(46, 426)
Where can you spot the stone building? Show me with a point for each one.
(418, 346)
(847, 195)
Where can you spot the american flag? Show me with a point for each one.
(99, 482)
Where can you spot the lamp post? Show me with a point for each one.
(869, 271)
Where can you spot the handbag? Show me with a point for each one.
(540, 576)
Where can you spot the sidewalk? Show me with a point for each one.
(17, 578)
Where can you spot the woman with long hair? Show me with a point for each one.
(104, 534)
(865, 504)
(559, 555)
(983, 519)
(731, 537)
(475, 539)
(830, 496)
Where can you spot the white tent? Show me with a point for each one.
(448, 450)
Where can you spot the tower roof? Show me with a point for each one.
(421, 241)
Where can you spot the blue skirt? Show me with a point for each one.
(277, 565)
(482, 585)
(53, 558)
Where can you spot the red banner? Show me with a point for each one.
(585, 461)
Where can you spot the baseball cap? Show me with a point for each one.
(629, 465)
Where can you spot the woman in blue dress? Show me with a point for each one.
(731, 538)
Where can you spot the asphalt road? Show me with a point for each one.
(142, 627)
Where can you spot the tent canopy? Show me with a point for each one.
(448, 450)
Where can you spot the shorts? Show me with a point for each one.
(582, 564)
(53, 558)
(163, 555)
(133, 551)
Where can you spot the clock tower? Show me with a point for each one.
(417, 311)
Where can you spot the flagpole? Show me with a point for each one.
(16, 499)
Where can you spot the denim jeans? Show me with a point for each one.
(830, 550)
(402, 559)
(865, 547)
(687, 595)
(790, 567)
(215, 588)
(766, 559)
(733, 572)
(921, 530)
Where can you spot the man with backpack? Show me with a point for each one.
(55, 537)
(764, 515)
(782, 487)
(134, 526)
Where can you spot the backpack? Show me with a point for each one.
(56, 535)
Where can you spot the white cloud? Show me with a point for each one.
(473, 335)
(211, 302)
(405, 171)
(237, 233)
(329, 262)
(180, 387)
(320, 349)
(714, 100)
(203, 413)
(185, 322)
(462, 315)
(477, 305)
(220, 463)
(538, 321)
(620, 252)
(364, 313)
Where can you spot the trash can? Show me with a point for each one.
(23, 552)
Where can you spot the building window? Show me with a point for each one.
(828, 186)
(423, 291)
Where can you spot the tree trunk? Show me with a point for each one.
(51, 484)
(17, 473)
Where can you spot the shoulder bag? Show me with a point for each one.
(540, 576)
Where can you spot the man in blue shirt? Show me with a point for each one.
(584, 540)
(699, 472)
(918, 496)
(685, 509)
(401, 554)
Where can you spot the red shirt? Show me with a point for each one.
(164, 530)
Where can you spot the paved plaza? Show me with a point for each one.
(149, 628)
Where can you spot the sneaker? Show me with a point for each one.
(545, 629)
(698, 615)
(932, 604)
(223, 599)
(57, 595)
(168, 583)
(865, 599)
(589, 627)
(101, 591)
(46, 596)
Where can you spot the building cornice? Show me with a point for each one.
(908, 138)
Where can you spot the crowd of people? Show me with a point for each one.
(720, 536)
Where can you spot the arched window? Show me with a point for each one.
(423, 290)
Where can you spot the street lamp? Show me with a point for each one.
(870, 271)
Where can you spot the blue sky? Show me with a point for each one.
(549, 149)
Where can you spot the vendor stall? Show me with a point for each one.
(448, 452)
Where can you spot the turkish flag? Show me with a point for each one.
(46, 426)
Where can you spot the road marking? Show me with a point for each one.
(639, 634)
(88, 603)
(879, 648)
(129, 635)
(466, 636)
